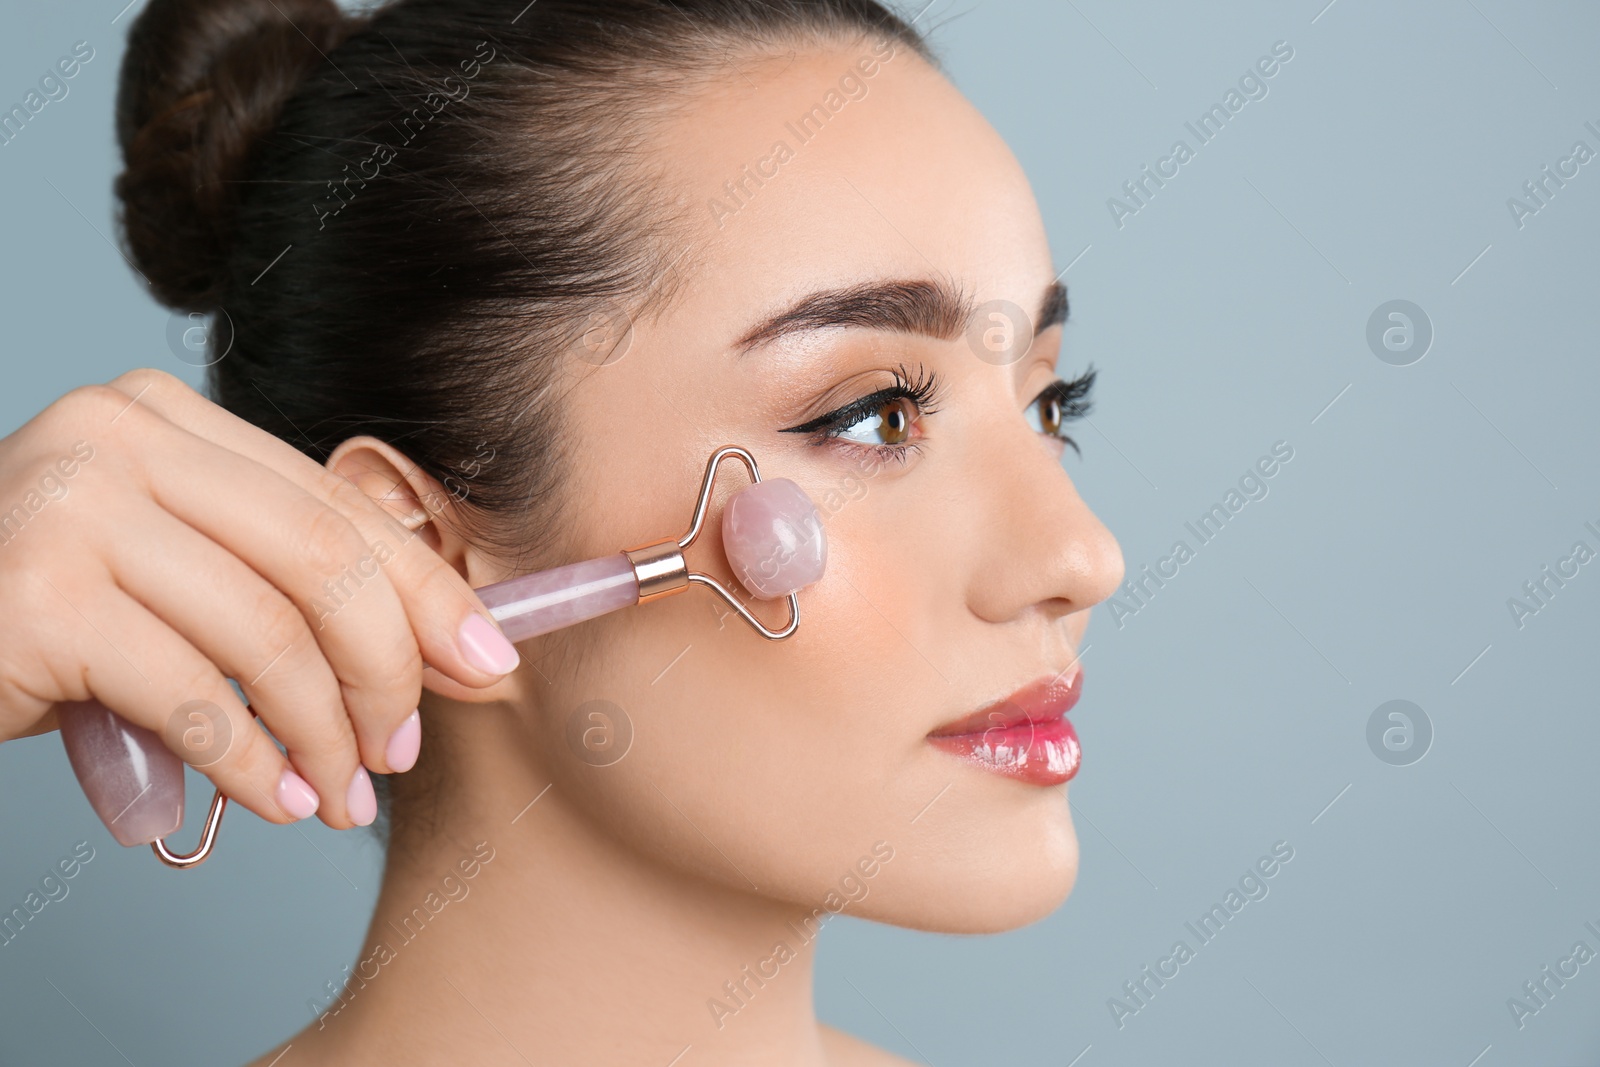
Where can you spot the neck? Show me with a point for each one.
(526, 926)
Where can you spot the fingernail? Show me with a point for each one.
(296, 797)
(360, 801)
(485, 647)
(133, 781)
(404, 744)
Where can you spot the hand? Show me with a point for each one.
(152, 545)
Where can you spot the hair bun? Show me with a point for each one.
(201, 82)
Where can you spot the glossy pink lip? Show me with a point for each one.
(1025, 736)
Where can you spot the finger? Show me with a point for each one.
(255, 635)
(42, 725)
(305, 549)
(138, 666)
(438, 603)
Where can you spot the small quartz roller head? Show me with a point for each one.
(773, 537)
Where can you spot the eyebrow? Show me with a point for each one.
(931, 308)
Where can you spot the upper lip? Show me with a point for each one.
(1041, 700)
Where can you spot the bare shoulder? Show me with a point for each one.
(846, 1051)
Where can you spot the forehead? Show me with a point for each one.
(841, 163)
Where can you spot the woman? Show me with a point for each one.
(489, 283)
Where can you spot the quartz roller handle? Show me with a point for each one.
(540, 603)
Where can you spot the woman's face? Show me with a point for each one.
(961, 562)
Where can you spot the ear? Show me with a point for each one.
(419, 503)
(412, 496)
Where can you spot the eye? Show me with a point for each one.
(1045, 415)
(1058, 404)
(890, 424)
(882, 422)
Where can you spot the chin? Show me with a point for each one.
(984, 882)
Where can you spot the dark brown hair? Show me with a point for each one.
(406, 215)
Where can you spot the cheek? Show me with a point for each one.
(781, 763)
(781, 760)
(791, 756)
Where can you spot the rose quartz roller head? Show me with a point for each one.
(133, 780)
(770, 530)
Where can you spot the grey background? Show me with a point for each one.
(1226, 715)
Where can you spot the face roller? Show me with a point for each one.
(771, 533)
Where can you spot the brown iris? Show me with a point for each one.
(894, 421)
(1050, 415)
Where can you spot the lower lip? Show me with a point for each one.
(1040, 753)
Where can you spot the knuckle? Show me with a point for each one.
(26, 591)
(204, 725)
(308, 717)
(29, 594)
(438, 581)
(408, 674)
(301, 702)
(250, 762)
(87, 406)
(201, 681)
(276, 623)
(396, 683)
(327, 542)
(343, 494)
(149, 380)
(327, 733)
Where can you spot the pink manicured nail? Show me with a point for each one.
(485, 647)
(361, 802)
(296, 797)
(404, 744)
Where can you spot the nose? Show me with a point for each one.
(1044, 550)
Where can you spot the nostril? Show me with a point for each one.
(774, 538)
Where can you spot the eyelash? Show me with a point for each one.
(925, 391)
(1074, 398)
